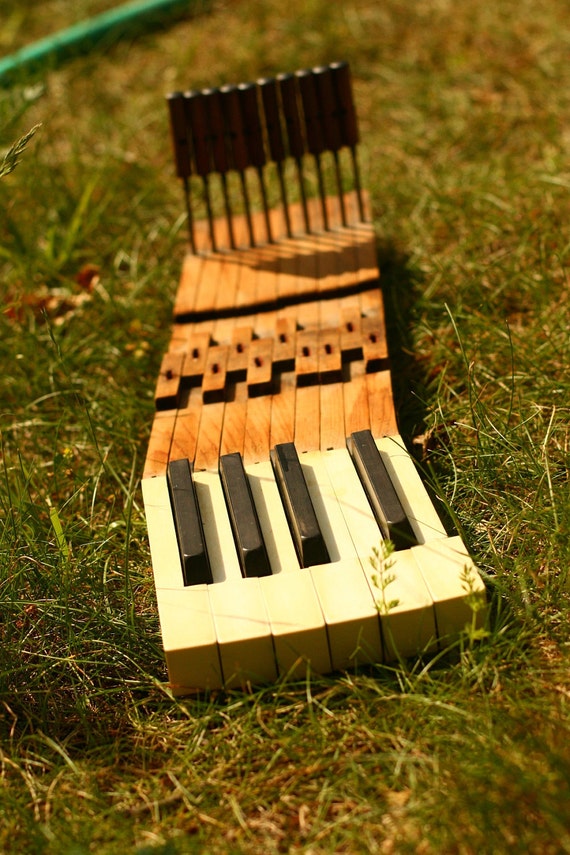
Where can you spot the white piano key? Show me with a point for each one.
(186, 621)
(189, 639)
(329, 515)
(240, 619)
(350, 613)
(451, 577)
(243, 632)
(354, 506)
(297, 623)
(164, 549)
(410, 489)
(344, 594)
(222, 553)
(406, 608)
(272, 518)
(409, 623)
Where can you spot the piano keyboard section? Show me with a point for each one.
(266, 528)
(338, 608)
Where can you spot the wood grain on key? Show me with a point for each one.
(234, 422)
(166, 396)
(159, 444)
(189, 285)
(185, 432)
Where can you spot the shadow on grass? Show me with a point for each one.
(401, 288)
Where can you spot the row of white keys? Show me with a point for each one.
(213, 635)
(326, 614)
(262, 624)
(235, 629)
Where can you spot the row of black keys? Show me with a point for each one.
(305, 530)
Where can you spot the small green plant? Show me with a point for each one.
(472, 631)
(12, 157)
(381, 563)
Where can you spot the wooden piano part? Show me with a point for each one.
(275, 471)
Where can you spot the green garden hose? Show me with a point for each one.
(53, 49)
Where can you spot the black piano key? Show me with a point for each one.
(189, 533)
(243, 517)
(305, 530)
(386, 505)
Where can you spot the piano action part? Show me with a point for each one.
(275, 471)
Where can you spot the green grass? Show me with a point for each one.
(465, 118)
